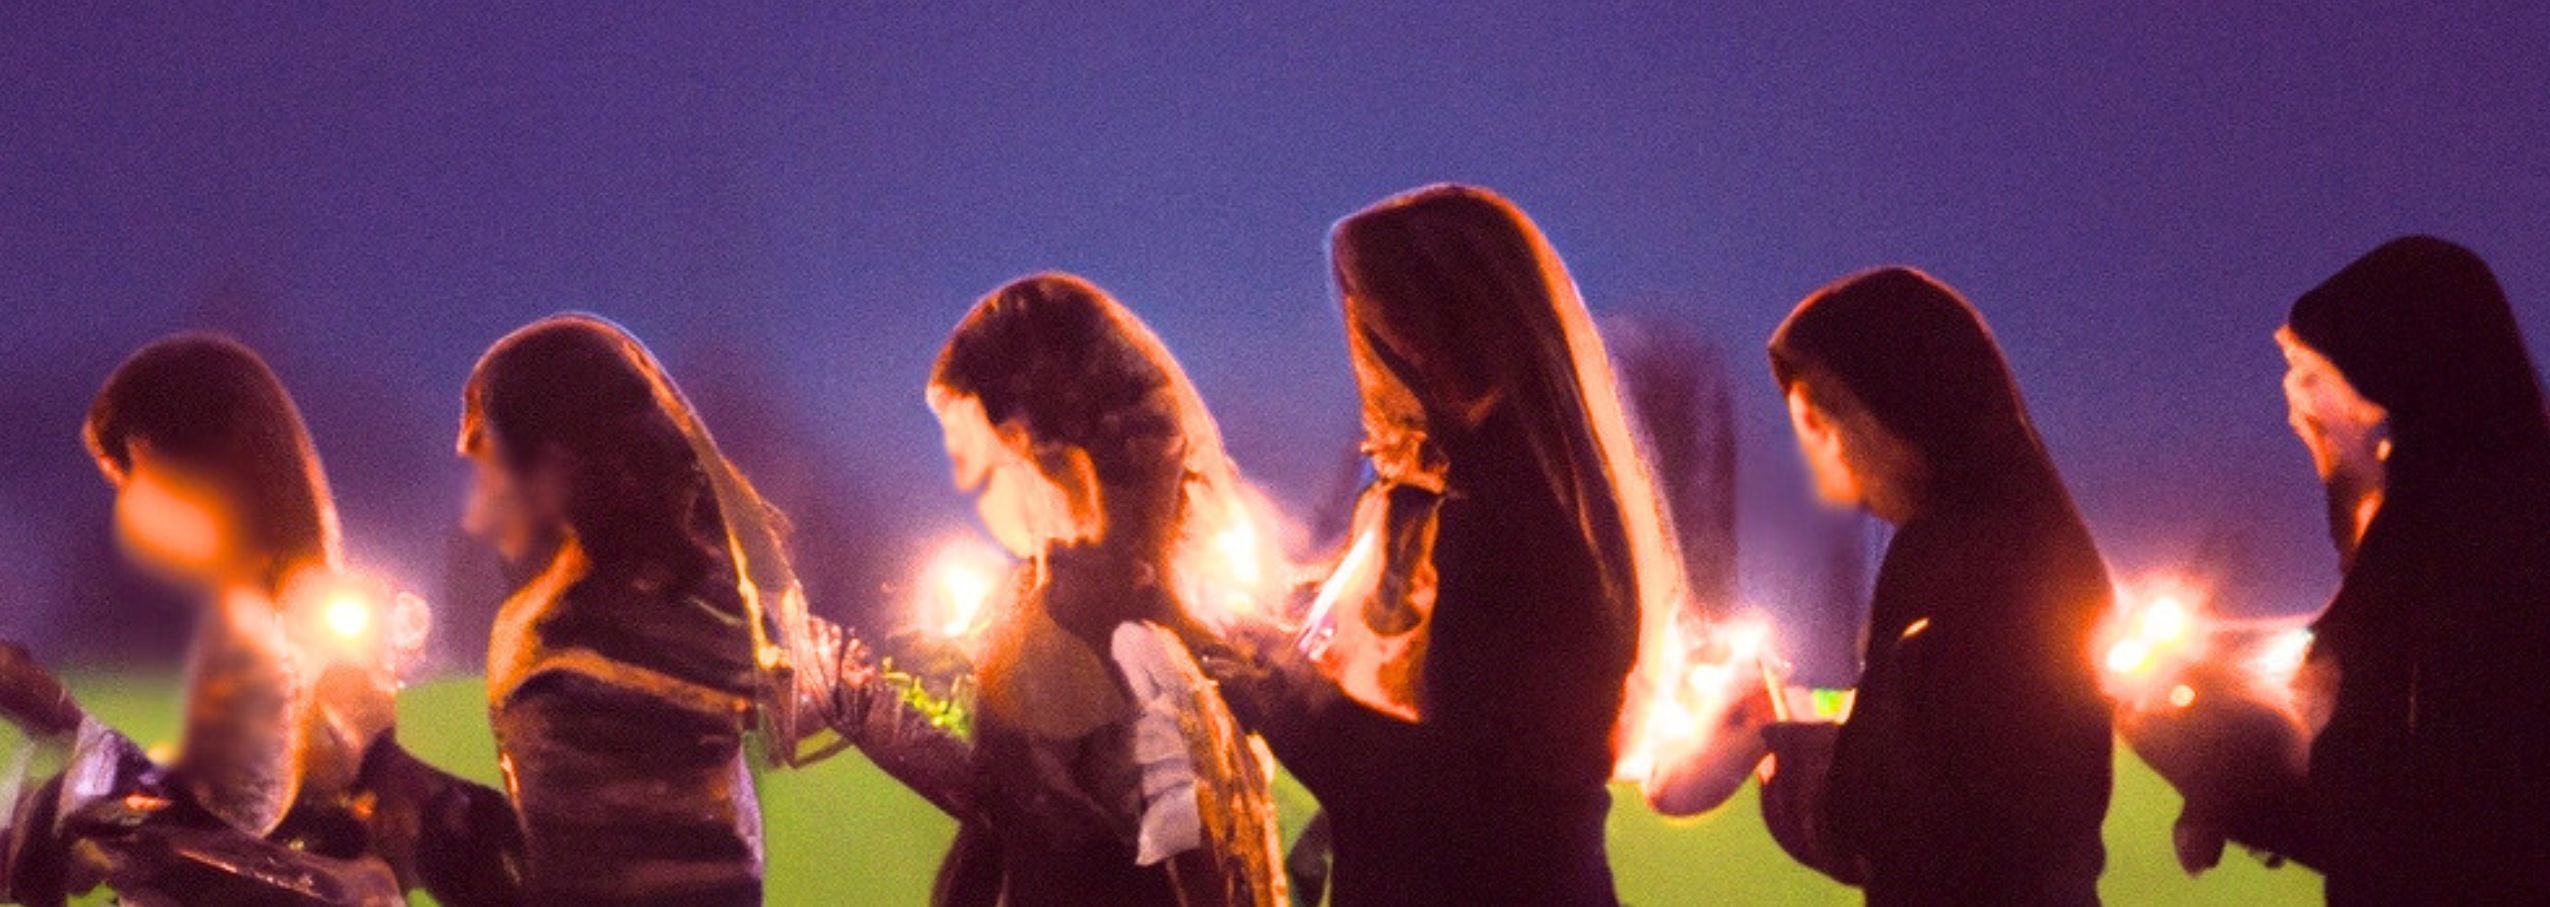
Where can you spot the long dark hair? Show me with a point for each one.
(208, 404)
(1921, 359)
(1455, 302)
(579, 386)
(1058, 357)
(650, 489)
(2421, 327)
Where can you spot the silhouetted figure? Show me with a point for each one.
(2426, 784)
(1459, 725)
(623, 678)
(1974, 765)
(1106, 769)
(288, 787)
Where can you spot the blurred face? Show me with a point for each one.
(1023, 508)
(1819, 440)
(176, 524)
(520, 514)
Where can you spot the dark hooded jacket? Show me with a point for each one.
(2431, 781)
(1975, 766)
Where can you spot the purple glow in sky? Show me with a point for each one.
(794, 207)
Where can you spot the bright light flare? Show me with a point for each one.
(2156, 632)
(361, 619)
(957, 587)
(2280, 657)
(1720, 672)
(1235, 570)
(349, 617)
(1237, 544)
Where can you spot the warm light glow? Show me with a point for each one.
(2166, 619)
(1354, 574)
(964, 591)
(167, 523)
(2158, 630)
(1233, 568)
(2129, 656)
(2182, 696)
(1716, 675)
(349, 616)
(957, 587)
(1238, 546)
(2281, 656)
(353, 617)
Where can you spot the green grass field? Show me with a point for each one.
(842, 833)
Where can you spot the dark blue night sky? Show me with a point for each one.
(793, 208)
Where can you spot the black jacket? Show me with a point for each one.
(1975, 767)
(1499, 795)
(2428, 783)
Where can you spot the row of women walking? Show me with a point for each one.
(1453, 693)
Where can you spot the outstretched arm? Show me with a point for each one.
(869, 710)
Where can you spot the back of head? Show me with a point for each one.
(1458, 311)
(209, 405)
(2421, 327)
(1057, 356)
(1921, 360)
(1456, 305)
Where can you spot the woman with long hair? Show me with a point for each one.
(1456, 701)
(286, 751)
(2410, 384)
(665, 625)
(1108, 771)
(622, 678)
(1974, 764)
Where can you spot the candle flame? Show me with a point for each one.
(361, 619)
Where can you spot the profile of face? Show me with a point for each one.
(2347, 435)
(176, 524)
(1819, 441)
(1855, 461)
(520, 513)
(1023, 505)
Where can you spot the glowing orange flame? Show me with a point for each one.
(2159, 633)
(1234, 570)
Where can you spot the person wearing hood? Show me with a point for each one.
(2410, 384)
(1455, 699)
(1974, 765)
